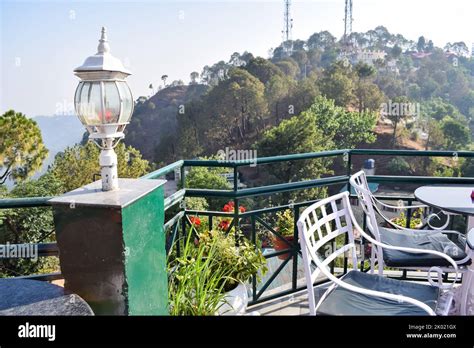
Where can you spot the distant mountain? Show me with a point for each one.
(58, 132)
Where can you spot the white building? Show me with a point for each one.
(369, 57)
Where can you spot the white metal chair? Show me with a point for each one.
(356, 292)
(432, 239)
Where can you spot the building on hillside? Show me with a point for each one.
(392, 66)
(420, 55)
(369, 57)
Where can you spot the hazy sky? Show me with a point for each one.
(41, 42)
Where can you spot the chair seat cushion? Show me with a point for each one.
(420, 239)
(346, 302)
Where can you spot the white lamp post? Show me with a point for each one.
(104, 104)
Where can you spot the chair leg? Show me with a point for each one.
(466, 286)
(372, 261)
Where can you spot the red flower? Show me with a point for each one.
(224, 224)
(195, 220)
(229, 207)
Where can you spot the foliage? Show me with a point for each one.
(340, 127)
(196, 203)
(415, 221)
(77, 165)
(238, 109)
(21, 147)
(29, 225)
(234, 253)
(210, 265)
(262, 69)
(337, 84)
(457, 134)
(196, 279)
(285, 223)
(398, 166)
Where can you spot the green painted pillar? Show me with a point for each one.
(112, 246)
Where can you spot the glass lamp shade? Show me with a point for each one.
(103, 102)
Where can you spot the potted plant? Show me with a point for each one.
(416, 221)
(285, 226)
(209, 276)
(242, 260)
(196, 282)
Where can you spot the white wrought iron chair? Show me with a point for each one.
(356, 292)
(435, 239)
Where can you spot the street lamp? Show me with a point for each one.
(104, 104)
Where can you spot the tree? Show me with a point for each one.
(395, 52)
(337, 84)
(21, 147)
(289, 67)
(457, 134)
(262, 69)
(32, 225)
(77, 165)
(459, 48)
(437, 108)
(368, 95)
(194, 76)
(323, 40)
(435, 139)
(238, 109)
(421, 44)
(163, 78)
(298, 134)
(276, 89)
(342, 129)
(207, 178)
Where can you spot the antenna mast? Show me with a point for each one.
(287, 28)
(347, 20)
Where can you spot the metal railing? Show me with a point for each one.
(177, 225)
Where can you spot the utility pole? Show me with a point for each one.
(287, 28)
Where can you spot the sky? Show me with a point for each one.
(41, 42)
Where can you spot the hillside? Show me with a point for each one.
(156, 117)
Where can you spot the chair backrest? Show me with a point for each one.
(359, 182)
(318, 226)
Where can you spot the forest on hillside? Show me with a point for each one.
(344, 84)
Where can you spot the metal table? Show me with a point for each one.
(454, 199)
(33, 297)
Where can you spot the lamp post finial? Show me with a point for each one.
(103, 42)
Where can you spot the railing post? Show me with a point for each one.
(348, 168)
(112, 246)
(296, 214)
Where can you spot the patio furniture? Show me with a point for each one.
(38, 298)
(434, 240)
(453, 199)
(356, 292)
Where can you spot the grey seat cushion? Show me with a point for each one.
(345, 302)
(420, 239)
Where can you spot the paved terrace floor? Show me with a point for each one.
(297, 303)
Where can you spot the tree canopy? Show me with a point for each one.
(21, 147)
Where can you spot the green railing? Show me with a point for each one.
(177, 224)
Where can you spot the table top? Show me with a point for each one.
(33, 297)
(451, 198)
